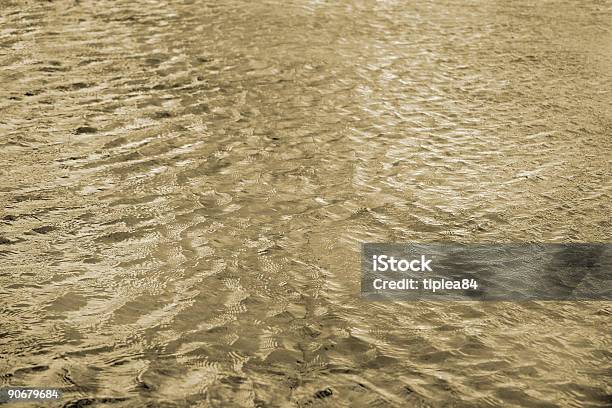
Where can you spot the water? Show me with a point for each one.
(185, 186)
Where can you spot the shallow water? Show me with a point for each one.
(185, 186)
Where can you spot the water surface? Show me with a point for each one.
(185, 186)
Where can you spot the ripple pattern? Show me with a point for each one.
(185, 185)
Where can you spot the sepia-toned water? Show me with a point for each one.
(185, 185)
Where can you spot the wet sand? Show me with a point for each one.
(185, 186)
